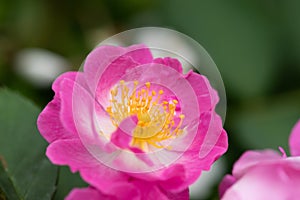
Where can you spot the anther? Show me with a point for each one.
(148, 84)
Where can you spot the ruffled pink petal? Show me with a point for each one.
(68, 75)
(215, 152)
(184, 195)
(206, 95)
(183, 173)
(152, 191)
(49, 121)
(252, 158)
(169, 62)
(210, 123)
(89, 193)
(49, 117)
(125, 190)
(88, 116)
(70, 152)
(210, 135)
(66, 94)
(135, 190)
(105, 66)
(73, 153)
(193, 163)
(119, 191)
(173, 178)
(148, 190)
(211, 138)
(226, 183)
(164, 176)
(294, 140)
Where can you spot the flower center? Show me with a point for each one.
(156, 118)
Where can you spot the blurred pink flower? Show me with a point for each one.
(265, 174)
(128, 115)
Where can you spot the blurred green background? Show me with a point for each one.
(255, 44)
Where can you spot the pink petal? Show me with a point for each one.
(252, 158)
(276, 181)
(173, 178)
(148, 190)
(87, 118)
(49, 117)
(210, 135)
(184, 195)
(73, 153)
(125, 190)
(294, 140)
(57, 82)
(215, 152)
(106, 65)
(123, 135)
(117, 191)
(49, 121)
(170, 178)
(170, 62)
(89, 193)
(215, 142)
(226, 183)
(193, 165)
(192, 160)
(135, 190)
(151, 191)
(206, 95)
(66, 94)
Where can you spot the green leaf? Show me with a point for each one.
(25, 172)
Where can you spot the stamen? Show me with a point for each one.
(155, 117)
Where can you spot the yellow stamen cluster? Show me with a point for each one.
(155, 117)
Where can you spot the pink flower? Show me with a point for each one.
(131, 116)
(265, 174)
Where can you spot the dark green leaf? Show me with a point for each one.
(26, 173)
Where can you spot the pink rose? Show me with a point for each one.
(129, 116)
(265, 174)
